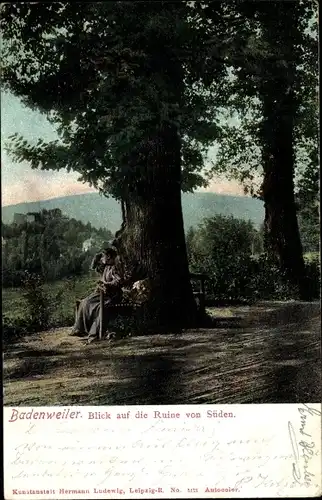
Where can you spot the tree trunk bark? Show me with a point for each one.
(282, 235)
(281, 100)
(153, 235)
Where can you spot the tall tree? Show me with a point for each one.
(280, 102)
(273, 81)
(122, 80)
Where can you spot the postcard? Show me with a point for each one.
(180, 451)
(160, 250)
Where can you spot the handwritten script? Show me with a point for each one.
(304, 449)
(181, 451)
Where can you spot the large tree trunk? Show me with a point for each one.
(283, 241)
(280, 104)
(153, 234)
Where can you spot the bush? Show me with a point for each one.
(269, 283)
(260, 279)
(228, 250)
(14, 328)
(222, 248)
(39, 306)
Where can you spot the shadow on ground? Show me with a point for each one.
(268, 353)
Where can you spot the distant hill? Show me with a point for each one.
(106, 212)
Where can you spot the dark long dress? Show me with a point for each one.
(88, 317)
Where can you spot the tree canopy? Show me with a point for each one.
(281, 50)
(88, 69)
(95, 73)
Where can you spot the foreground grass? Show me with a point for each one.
(14, 304)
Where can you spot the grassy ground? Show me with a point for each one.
(267, 353)
(14, 304)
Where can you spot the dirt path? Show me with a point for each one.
(264, 354)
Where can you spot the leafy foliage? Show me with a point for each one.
(56, 304)
(222, 247)
(230, 252)
(267, 63)
(38, 304)
(51, 246)
(106, 74)
(104, 104)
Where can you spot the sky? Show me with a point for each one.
(19, 183)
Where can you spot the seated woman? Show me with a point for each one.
(88, 314)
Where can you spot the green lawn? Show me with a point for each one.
(14, 304)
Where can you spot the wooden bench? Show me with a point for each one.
(124, 308)
(128, 307)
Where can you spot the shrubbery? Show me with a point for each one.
(13, 328)
(39, 304)
(42, 306)
(230, 252)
